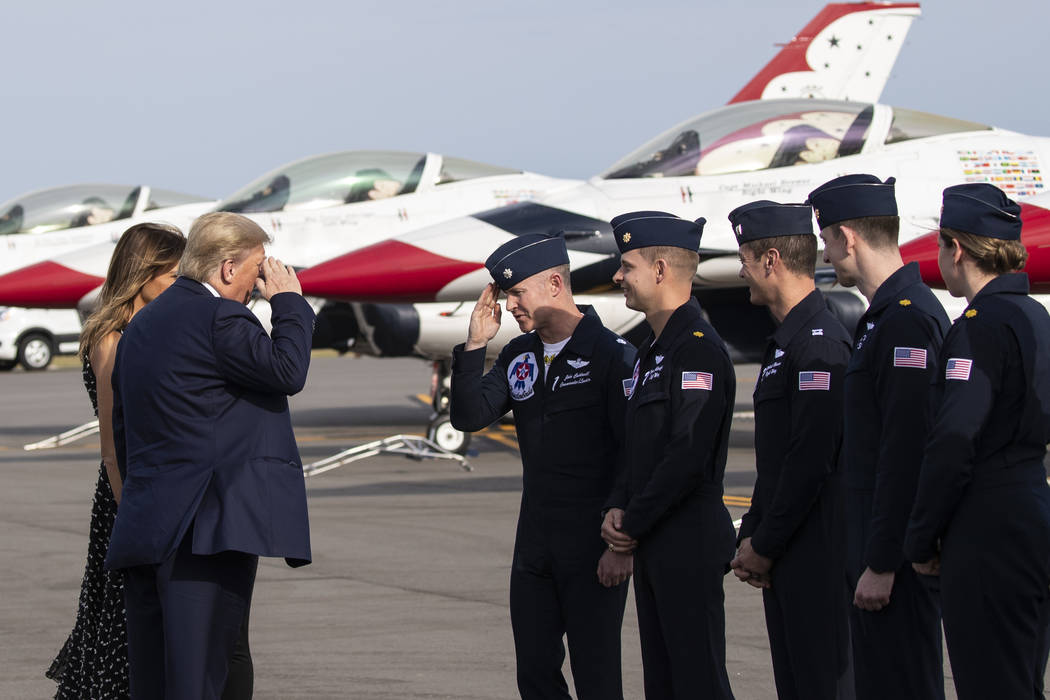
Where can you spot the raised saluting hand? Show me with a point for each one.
(485, 319)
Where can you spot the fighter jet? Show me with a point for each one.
(319, 207)
(45, 223)
(296, 209)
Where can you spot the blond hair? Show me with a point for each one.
(143, 252)
(215, 237)
(992, 255)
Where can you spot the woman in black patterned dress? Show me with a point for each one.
(93, 663)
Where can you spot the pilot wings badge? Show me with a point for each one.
(579, 363)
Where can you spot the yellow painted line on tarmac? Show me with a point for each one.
(500, 438)
(424, 398)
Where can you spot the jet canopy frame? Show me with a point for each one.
(75, 206)
(768, 134)
(351, 177)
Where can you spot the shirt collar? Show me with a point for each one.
(214, 292)
(583, 336)
(1009, 283)
(796, 319)
(685, 315)
(896, 283)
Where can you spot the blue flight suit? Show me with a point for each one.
(796, 516)
(569, 422)
(677, 435)
(896, 650)
(983, 492)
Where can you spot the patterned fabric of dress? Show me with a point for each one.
(93, 663)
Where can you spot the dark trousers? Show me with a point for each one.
(806, 616)
(678, 577)
(553, 596)
(240, 680)
(897, 651)
(995, 570)
(184, 619)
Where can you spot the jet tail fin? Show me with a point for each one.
(845, 53)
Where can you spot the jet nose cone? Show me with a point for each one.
(923, 250)
(386, 271)
(46, 285)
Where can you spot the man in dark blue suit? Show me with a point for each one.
(212, 476)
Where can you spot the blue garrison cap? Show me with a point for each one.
(524, 256)
(644, 229)
(766, 219)
(981, 209)
(852, 197)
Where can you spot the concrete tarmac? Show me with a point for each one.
(407, 594)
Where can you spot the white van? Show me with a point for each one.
(32, 337)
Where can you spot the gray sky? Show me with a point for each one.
(204, 96)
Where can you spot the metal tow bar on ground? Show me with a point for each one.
(412, 446)
(72, 435)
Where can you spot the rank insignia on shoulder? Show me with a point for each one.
(698, 334)
(970, 313)
(817, 331)
(905, 302)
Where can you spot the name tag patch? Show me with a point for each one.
(958, 368)
(814, 381)
(697, 380)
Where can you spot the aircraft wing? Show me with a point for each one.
(845, 53)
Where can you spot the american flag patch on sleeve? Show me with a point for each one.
(814, 381)
(958, 368)
(909, 357)
(697, 380)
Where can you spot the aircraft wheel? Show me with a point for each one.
(35, 352)
(441, 433)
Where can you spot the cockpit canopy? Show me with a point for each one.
(62, 208)
(351, 176)
(773, 134)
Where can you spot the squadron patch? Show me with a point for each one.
(814, 381)
(697, 380)
(958, 368)
(522, 376)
